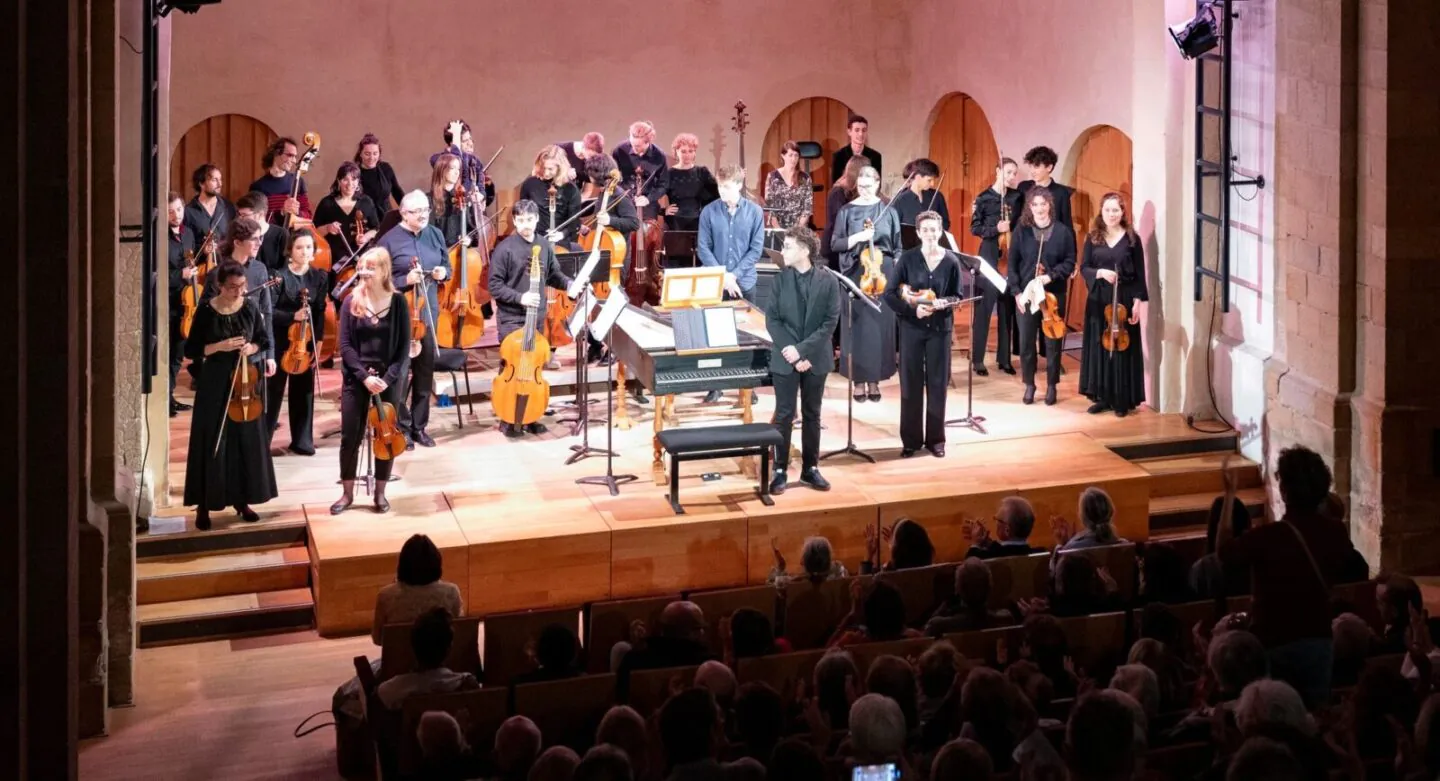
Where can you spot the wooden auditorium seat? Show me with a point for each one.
(1119, 560)
(396, 656)
(718, 605)
(1018, 577)
(649, 689)
(814, 610)
(781, 671)
(567, 712)
(866, 653)
(608, 623)
(479, 713)
(510, 639)
(923, 589)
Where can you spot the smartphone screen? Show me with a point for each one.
(886, 772)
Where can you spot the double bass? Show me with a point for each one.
(323, 259)
(646, 274)
(460, 323)
(558, 306)
(520, 393)
(608, 239)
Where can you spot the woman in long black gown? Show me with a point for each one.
(867, 337)
(228, 328)
(297, 277)
(1113, 381)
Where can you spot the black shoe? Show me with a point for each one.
(861, 396)
(640, 397)
(328, 363)
(342, 504)
(981, 371)
(246, 514)
(937, 450)
(814, 479)
(510, 431)
(1029, 397)
(754, 397)
(382, 505)
(301, 451)
(1098, 407)
(778, 483)
(409, 443)
(179, 406)
(875, 395)
(424, 440)
(174, 412)
(202, 520)
(1120, 413)
(712, 397)
(907, 452)
(603, 359)
(1007, 368)
(1050, 396)
(535, 428)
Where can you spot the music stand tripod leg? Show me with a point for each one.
(970, 420)
(609, 479)
(850, 448)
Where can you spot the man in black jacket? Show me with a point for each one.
(803, 311)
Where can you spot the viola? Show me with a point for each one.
(1116, 337)
(386, 441)
(189, 297)
(520, 393)
(245, 404)
(415, 298)
(872, 280)
(608, 239)
(1051, 323)
(299, 356)
(558, 306)
(460, 323)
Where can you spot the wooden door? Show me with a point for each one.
(1103, 164)
(818, 119)
(963, 145)
(234, 142)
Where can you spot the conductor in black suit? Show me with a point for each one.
(803, 311)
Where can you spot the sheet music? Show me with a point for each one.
(682, 288)
(582, 279)
(583, 305)
(609, 313)
(708, 288)
(720, 327)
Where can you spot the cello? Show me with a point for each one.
(646, 275)
(558, 306)
(608, 239)
(460, 323)
(520, 393)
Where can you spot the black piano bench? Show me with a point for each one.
(707, 442)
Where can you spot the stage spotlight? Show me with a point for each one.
(1199, 35)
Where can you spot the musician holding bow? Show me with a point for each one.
(925, 282)
(1042, 255)
(1114, 272)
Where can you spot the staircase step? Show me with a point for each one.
(236, 615)
(1187, 444)
(1172, 512)
(1197, 474)
(200, 575)
(173, 536)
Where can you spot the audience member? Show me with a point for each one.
(877, 732)
(690, 734)
(969, 609)
(1014, 522)
(624, 728)
(1169, 672)
(604, 762)
(836, 684)
(817, 560)
(1079, 589)
(557, 652)
(939, 666)
(719, 680)
(910, 547)
(1395, 596)
(556, 764)
(1097, 515)
(679, 641)
(987, 705)
(517, 744)
(1293, 564)
(1049, 649)
(1352, 640)
(751, 634)
(1141, 684)
(760, 717)
(962, 760)
(430, 640)
(795, 760)
(1381, 695)
(893, 677)
(1234, 660)
(878, 617)
(1101, 737)
(417, 588)
(1266, 703)
(1164, 576)
(1263, 759)
(443, 752)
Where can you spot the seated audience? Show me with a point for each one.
(1268, 703)
(878, 617)
(938, 667)
(795, 760)
(1097, 515)
(1141, 684)
(1078, 589)
(1382, 695)
(430, 640)
(1352, 640)
(1234, 660)
(557, 654)
(836, 682)
(679, 641)
(1164, 576)
(1395, 596)
(962, 760)
(1169, 669)
(1014, 522)
(751, 634)
(719, 680)
(1101, 739)
(1048, 650)
(893, 677)
(690, 736)
(1263, 759)
(910, 547)
(877, 733)
(443, 753)
(817, 561)
(969, 609)
(623, 728)
(1293, 564)
(417, 588)
(556, 764)
(987, 705)
(517, 744)
(760, 720)
(604, 762)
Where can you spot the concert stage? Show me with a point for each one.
(517, 531)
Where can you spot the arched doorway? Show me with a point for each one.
(234, 142)
(963, 145)
(817, 119)
(1100, 161)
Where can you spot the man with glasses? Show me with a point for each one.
(278, 181)
(418, 257)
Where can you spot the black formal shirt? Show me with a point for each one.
(1060, 193)
(843, 155)
(510, 277)
(912, 269)
(652, 166)
(908, 206)
(181, 241)
(199, 221)
(381, 184)
(985, 214)
(567, 203)
(272, 247)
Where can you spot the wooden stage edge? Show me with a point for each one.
(538, 542)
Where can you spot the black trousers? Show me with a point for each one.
(354, 409)
(415, 415)
(810, 386)
(177, 348)
(1030, 335)
(991, 302)
(924, 380)
(302, 406)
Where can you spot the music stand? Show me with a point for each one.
(571, 265)
(852, 292)
(582, 386)
(614, 306)
(679, 249)
(970, 420)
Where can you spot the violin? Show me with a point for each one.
(872, 281)
(645, 282)
(245, 404)
(415, 298)
(608, 239)
(558, 306)
(460, 323)
(1116, 337)
(1051, 323)
(386, 441)
(520, 393)
(928, 297)
(299, 356)
(189, 297)
(1001, 263)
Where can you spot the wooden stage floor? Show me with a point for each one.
(518, 532)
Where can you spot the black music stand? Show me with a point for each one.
(600, 273)
(851, 293)
(609, 479)
(970, 420)
(680, 250)
(582, 391)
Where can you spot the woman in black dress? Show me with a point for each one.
(296, 277)
(867, 337)
(840, 194)
(375, 349)
(228, 328)
(1113, 381)
(552, 170)
(1040, 237)
(688, 187)
(377, 178)
(335, 214)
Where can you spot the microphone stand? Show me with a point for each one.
(851, 294)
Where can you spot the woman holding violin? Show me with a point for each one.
(298, 328)
(866, 236)
(688, 187)
(377, 178)
(340, 216)
(1112, 364)
(375, 352)
(1042, 257)
(229, 460)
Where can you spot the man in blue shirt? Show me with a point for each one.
(732, 236)
(415, 239)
